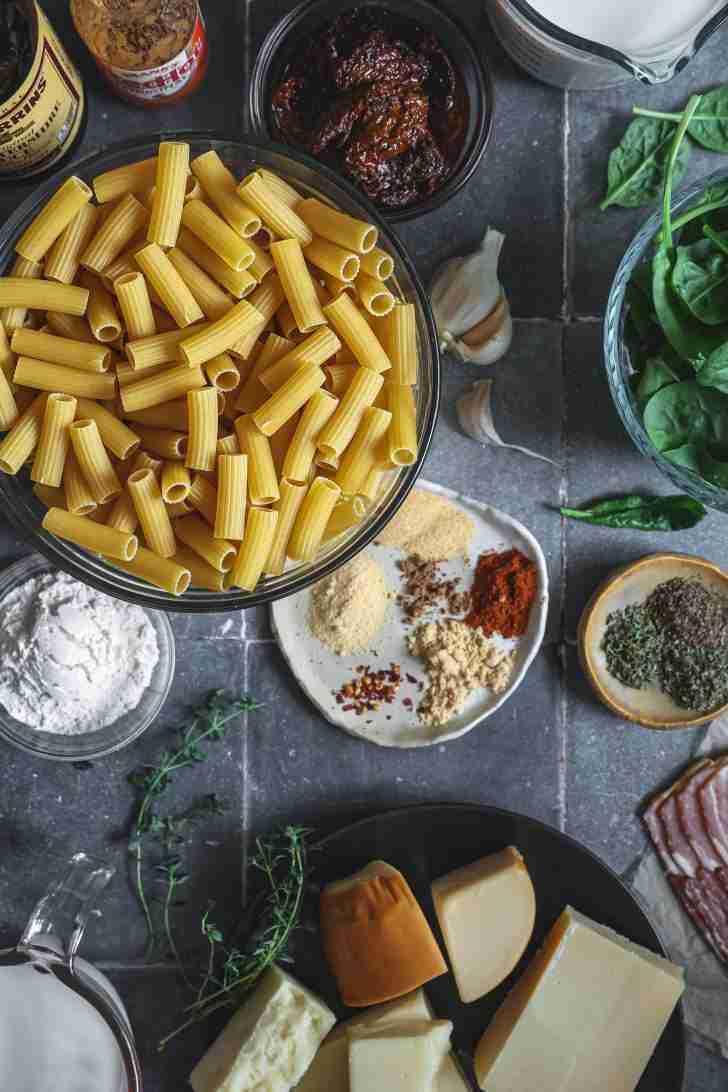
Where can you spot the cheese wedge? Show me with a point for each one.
(329, 1071)
(269, 1043)
(397, 1057)
(587, 1013)
(486, 912)
(376, 938)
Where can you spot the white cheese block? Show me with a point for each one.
(486, 912)
(269, 1043)
(591, 1006)
(329, 1071)
(398, 1057)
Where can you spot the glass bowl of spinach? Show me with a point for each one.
(666, 339)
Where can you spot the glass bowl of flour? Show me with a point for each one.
(81, 674)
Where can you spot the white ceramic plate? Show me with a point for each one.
(321, 673)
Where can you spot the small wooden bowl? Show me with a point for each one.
(632, 584)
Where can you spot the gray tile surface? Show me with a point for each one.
(553, 752)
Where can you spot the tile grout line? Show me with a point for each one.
(561, 800)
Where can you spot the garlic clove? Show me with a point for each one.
(470, 308)
(475, 415)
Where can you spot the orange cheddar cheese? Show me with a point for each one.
(376, 938)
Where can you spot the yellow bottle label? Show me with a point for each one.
(40, 121)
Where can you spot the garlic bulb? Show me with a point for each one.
(471, 310)
(476, 419)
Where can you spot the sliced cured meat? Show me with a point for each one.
(707, 894)
(691, 818)
(680, 848)
(714, 805)
(656, 829)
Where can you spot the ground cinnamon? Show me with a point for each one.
(503, 591)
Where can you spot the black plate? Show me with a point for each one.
(426, 842)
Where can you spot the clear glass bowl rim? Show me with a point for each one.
(613, 348)
(10, 578)
(83, 566)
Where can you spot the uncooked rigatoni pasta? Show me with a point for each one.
(157, 350)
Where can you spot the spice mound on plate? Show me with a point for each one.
(348, 607)
(72, 660)
(429, 526)
(458, 660)
(502, 594)
(677, 641)
(423, 588)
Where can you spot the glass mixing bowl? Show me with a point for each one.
(88, 746)
(16, 497)
(617, 361)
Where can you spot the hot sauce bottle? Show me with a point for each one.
(152, 52)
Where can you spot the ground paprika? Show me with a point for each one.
(503, 591)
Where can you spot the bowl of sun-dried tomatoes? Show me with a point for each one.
(389, 93)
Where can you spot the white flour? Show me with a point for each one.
(72, 660)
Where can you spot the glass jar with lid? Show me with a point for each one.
(152, 52)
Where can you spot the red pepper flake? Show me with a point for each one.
(365, 693)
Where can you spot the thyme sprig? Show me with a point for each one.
(282, 860)
(208, 724)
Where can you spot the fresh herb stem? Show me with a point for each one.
(643, 112)
(689, 215)
(208, 724)
(283, 862)
(677, 140)
(715, 238)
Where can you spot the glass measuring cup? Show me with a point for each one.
(60, 1018)
(555, 56)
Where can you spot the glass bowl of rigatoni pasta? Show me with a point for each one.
(219, 374)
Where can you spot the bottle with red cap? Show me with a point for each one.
(152, 52)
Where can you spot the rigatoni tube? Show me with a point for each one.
(155, 522)
(262, 477)
(402, 435)
(164, 573)
(356, 333)
(169, 286)
(79, 498)
(136, 307)
(50, 455)
(361, 454)
(199, 537)
(20, 443)
(95, 464)
(170, 181)
(297, 284)
(255, 548)
(202, 414)
(336, 436)
(232, 488)
(163, 387)
(292, 496)
(53, 219)
(217, 235)
(298, 459)
(312, 518)
(96, 537)
(288, 399)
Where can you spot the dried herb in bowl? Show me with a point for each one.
(677, 641)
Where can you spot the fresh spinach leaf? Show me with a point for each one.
(691, 339)
(709, 126)
(636, 169)
(700, 279)
(714, 371)
(655, 375)
(674, 513)
(685, 413)
(714, 467)
(687, 457)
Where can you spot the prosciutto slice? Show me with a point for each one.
(687, 824)
(714, 804)
(690, 814)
